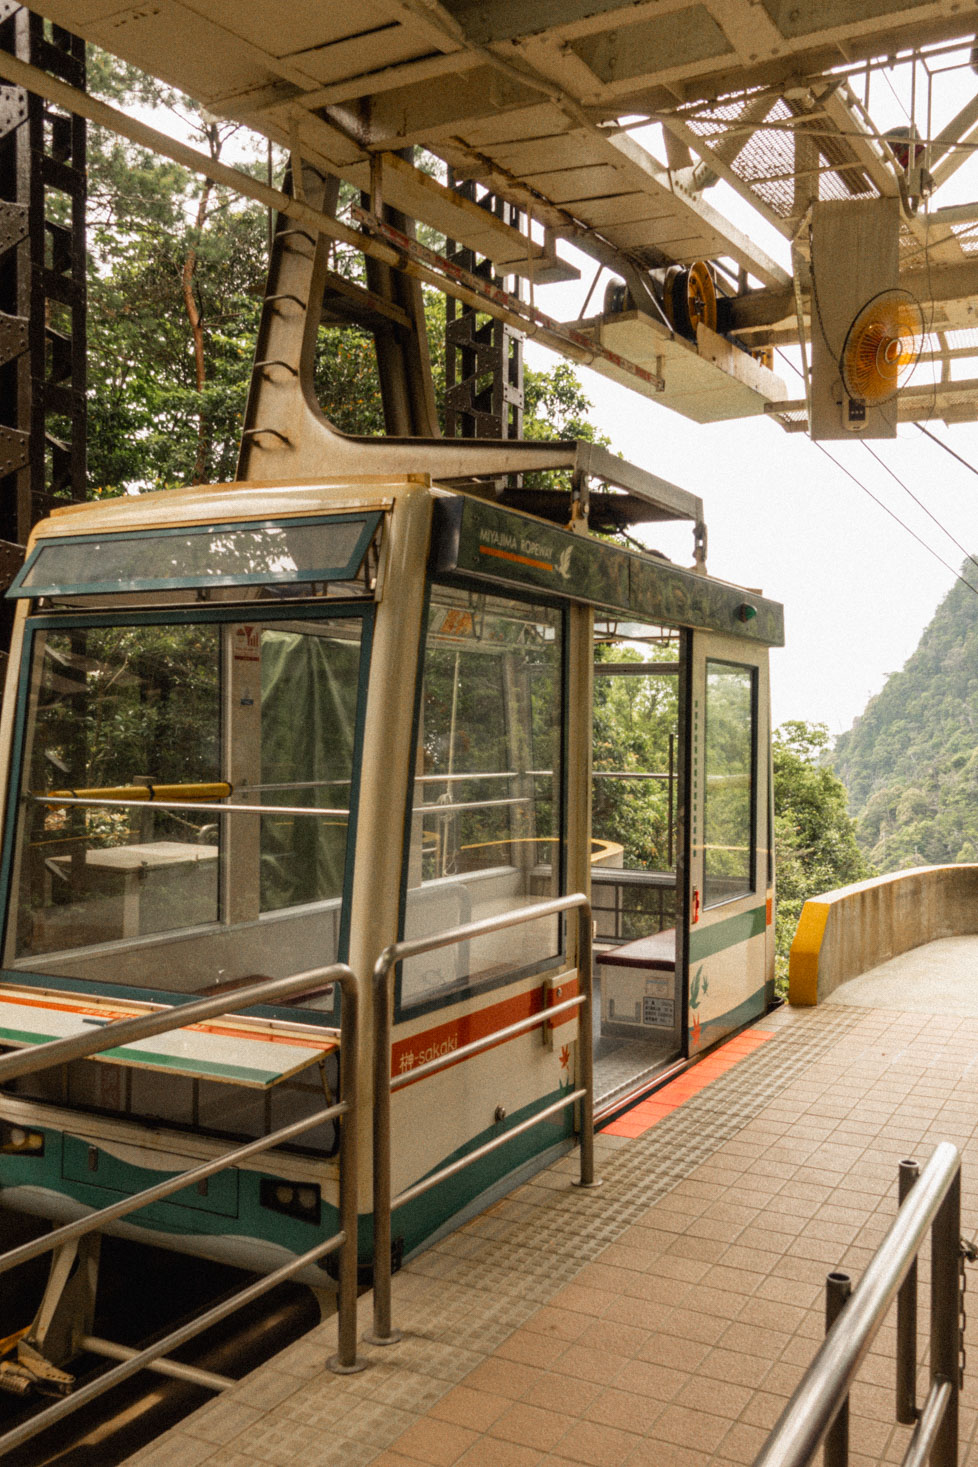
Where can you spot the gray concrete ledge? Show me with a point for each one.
(845, 933)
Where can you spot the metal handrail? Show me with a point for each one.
(476, 775)
(449, 809)
(383, 993)
(817, 1411)
(127, 1031)
(193, 805)
(630, 774)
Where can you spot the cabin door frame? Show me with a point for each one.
(727, 881)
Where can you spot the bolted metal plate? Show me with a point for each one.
(11, 560)
(13, 224)
(13, 451)
(13, 337)
(13, 108)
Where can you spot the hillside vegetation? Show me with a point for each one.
(910, 763)
(814, 839)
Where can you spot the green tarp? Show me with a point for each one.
(308, 723)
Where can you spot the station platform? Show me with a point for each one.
(663, 1319)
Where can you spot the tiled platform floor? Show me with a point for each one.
(663, 1319)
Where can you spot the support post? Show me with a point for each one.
(945, 1318)
(345, 1361)
(906, 1341)
(382, 1333)
(585, 1078)
(838, 1287)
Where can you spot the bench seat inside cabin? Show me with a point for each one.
(639, 988)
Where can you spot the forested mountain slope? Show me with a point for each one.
(910, 763)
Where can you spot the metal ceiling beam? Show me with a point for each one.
(869, 153)
(406, 74)
(404, 254)
(723, 168)
(742, 249)
(660, 92)
(760, 308)
(946, 154)
(954, 401)
(476, 79)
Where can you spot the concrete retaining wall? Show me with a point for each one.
(846, 932)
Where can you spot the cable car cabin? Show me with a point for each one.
(254, 729)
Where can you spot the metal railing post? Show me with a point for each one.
(933, 1203)
(382, 1333)
(33, 1059)
(585, 968)
(838, 1288)
(906, 1340)
(345, 1361)
(945, 1319)
(384, 1203)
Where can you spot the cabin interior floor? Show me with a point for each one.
(625, 1067)
(665, 1317)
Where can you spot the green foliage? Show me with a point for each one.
(555, 406)
(161, 415)
(119, 704)
(910, 762)
(727, 806)
(155, 234)
(634, 716)
(814, 836)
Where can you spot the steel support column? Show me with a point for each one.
(42, 290)
(483, 356)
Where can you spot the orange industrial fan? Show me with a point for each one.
(882, 346)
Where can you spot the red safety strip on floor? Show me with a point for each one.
(642, 1117)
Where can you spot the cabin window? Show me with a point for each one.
(308, 727)
(112, 709)
(485, 835)
(731, 777)
(634, 781)
(161, 739)
(204, 556)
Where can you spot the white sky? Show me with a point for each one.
(857, 589)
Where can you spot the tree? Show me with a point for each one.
(634, 716)
(814, 836)
(176, 277)
(910, 761)
(176, 274)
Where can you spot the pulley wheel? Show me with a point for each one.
(691, 299)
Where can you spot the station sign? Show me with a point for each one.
(474, 537)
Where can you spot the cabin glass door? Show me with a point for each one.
(634, 826)
(729, 899)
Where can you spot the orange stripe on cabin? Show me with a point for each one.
(546, 565)
(111, 1015)
(409, 1054)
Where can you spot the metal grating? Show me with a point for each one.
(793, 420)
(766, 159)
(966, 236)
